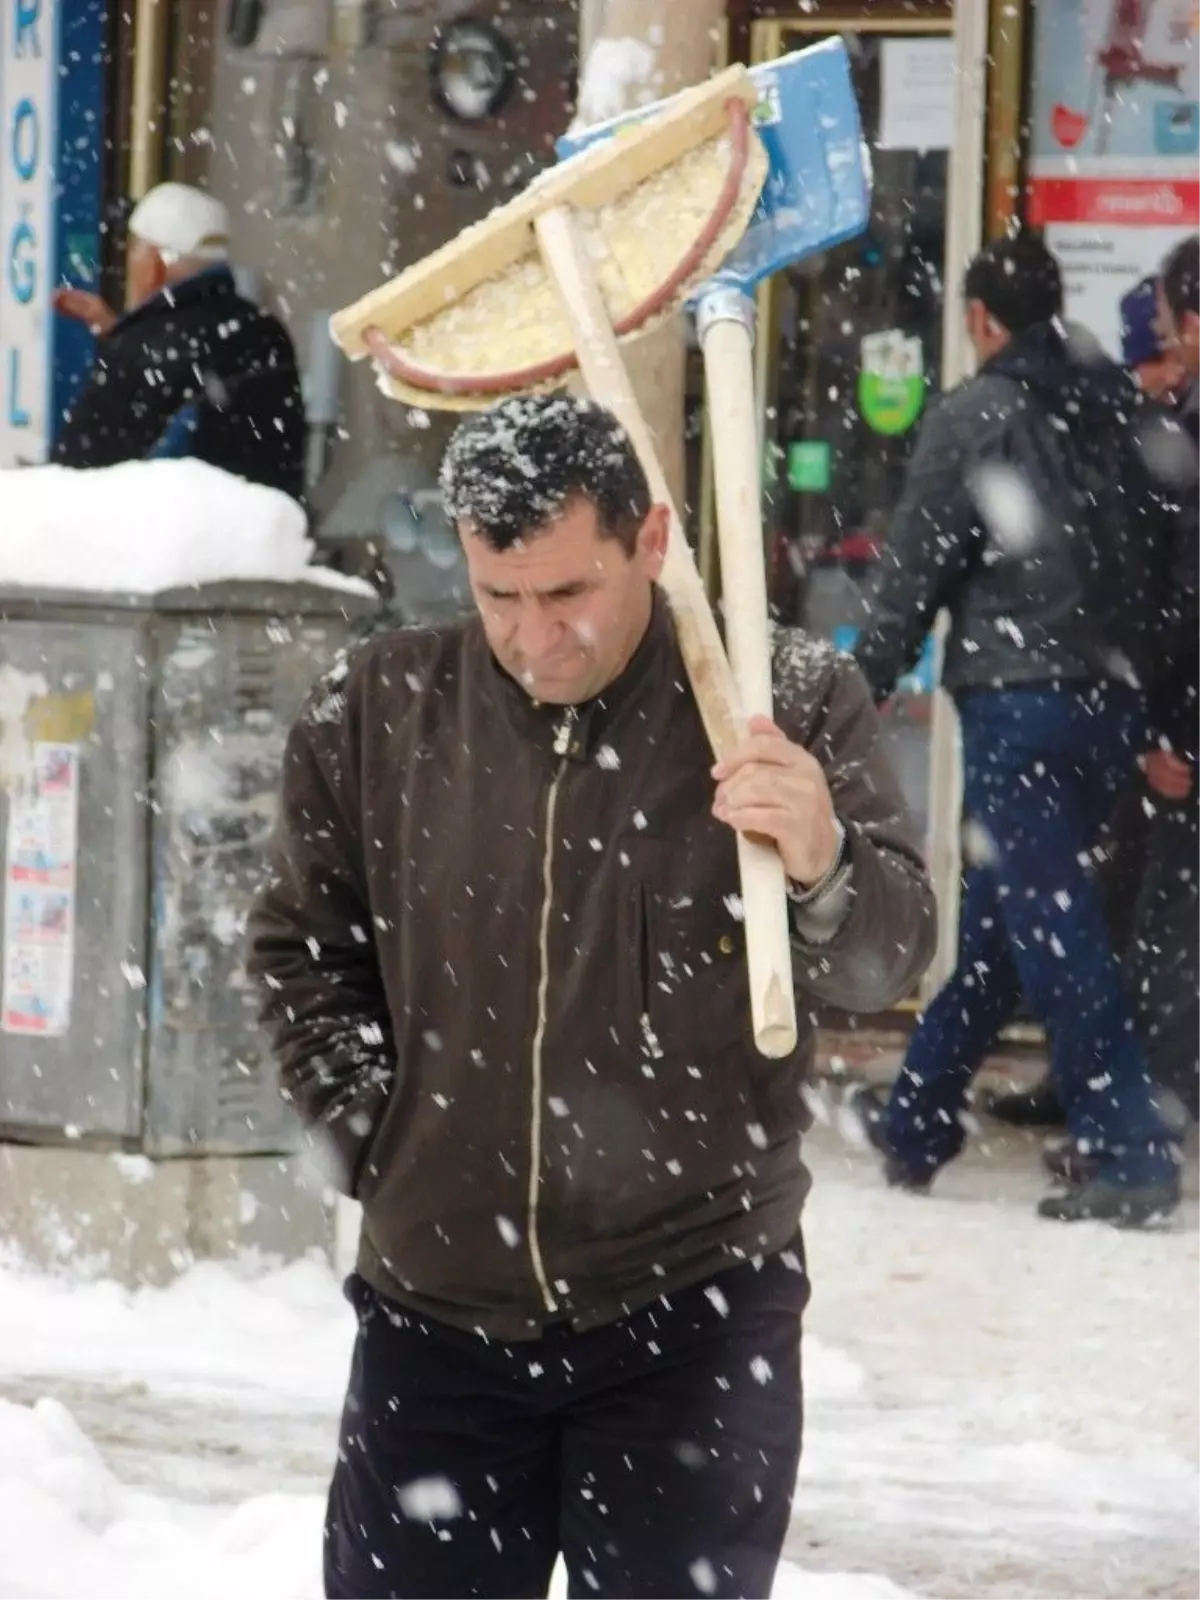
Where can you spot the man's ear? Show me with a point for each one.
(653, 536)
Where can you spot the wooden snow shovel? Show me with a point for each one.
(589, 254)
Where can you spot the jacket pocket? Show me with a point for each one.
(688, 957)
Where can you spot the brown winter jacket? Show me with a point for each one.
(500, 956)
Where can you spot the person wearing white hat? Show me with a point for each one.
(191, 367)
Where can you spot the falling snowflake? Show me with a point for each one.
(703, 1576)
(430, 1500)
(717, 1300)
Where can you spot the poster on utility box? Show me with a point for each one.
(41, 851)
(1115, 142)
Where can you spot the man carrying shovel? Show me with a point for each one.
(501, 956)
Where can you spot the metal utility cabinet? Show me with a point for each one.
(140, 746)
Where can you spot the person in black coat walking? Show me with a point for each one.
(1149, 881)
(192, 368)
(1030, 513)
(1164, 960)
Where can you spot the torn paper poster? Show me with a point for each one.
(41, 852)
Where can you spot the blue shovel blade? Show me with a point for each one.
(818, 189)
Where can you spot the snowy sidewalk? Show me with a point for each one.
(995, 1406)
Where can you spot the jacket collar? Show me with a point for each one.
(578, 731)
(209, 283)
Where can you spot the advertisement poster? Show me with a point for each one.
(39, 894)
(1115, 144)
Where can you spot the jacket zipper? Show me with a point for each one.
(649, 1038)
(562, 744)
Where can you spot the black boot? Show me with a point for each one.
(1068, 1164)
(1039, 1107)
(869, 1108)
(1101, 1201)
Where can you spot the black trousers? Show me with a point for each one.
(657, 1454)
(1150, 890)
(1161, 963)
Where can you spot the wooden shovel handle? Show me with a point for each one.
(763, 891)
(729, 381)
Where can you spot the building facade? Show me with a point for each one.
(351, 137)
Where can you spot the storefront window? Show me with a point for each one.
(852, 342)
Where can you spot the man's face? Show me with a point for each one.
(1161, 377)
(145, 273)
(1182, 339)
(565, 609)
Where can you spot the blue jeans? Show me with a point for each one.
(1041, 769)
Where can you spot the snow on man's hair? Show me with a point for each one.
(511, 470)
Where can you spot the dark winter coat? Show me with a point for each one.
(1175, 686)
(500, 954)
(1033, 513)
(195, 370)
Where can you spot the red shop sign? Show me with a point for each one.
(1116, 202)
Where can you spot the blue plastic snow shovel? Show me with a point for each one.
(817, 194)
(818, 189)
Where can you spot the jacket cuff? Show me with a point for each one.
(817, 913)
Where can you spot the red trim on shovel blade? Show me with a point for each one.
(398, 365)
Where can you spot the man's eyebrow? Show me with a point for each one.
(571, 586)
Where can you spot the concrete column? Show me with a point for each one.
(964, 236)
(635, 51)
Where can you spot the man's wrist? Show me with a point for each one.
(818, 910)
(805, 893)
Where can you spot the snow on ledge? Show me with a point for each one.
(146, 526)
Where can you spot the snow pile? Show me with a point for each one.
(285, 1332)
(145, 526)
(83, 1533)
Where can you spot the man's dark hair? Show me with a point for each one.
(1181, 278)
(511, 470)
(1018, 280)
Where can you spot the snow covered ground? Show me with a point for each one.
(995, 1406)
